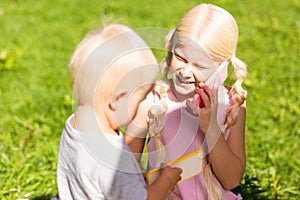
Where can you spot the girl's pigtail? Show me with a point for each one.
(156, 124)
(165, 64)
(237, 91)
(213, 189)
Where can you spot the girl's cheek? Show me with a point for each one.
(175, 64)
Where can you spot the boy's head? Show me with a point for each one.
(112, 70)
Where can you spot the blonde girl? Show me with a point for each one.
(202, 114)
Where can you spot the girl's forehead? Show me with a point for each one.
(192, 52)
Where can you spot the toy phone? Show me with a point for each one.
(218, 77)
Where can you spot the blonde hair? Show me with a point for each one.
(216, 32)
(114, 46)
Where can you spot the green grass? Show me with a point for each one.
(37, 39)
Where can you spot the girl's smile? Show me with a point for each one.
(181, 80)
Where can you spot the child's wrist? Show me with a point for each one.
(168, 179)
(136, 130)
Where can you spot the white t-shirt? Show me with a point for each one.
(97, 166)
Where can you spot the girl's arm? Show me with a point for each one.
(227, 158)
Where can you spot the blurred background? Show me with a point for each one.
(37, 39)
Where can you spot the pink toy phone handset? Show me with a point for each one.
(218, 76)
(215, 82)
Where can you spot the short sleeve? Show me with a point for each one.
(127, 186)
(124, 182)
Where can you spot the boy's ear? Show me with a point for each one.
(116, 100)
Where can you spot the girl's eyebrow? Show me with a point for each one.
(179, 55)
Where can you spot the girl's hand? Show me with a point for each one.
(205, 104)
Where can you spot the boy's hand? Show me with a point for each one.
(172, 174)
(165, 183)
(138, 127)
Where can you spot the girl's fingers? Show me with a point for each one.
(204, 96)
(206, 89)
(211, 94)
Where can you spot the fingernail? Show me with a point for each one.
(201, 84)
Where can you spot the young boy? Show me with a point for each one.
(112, 72)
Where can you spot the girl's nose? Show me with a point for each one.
(187, 71)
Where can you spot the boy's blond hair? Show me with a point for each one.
(105, 54)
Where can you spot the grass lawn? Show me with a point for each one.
(37, 39)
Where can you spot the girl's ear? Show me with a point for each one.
(116, 101)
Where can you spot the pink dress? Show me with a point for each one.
(181, 135)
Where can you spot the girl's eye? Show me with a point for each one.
(178, 57)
